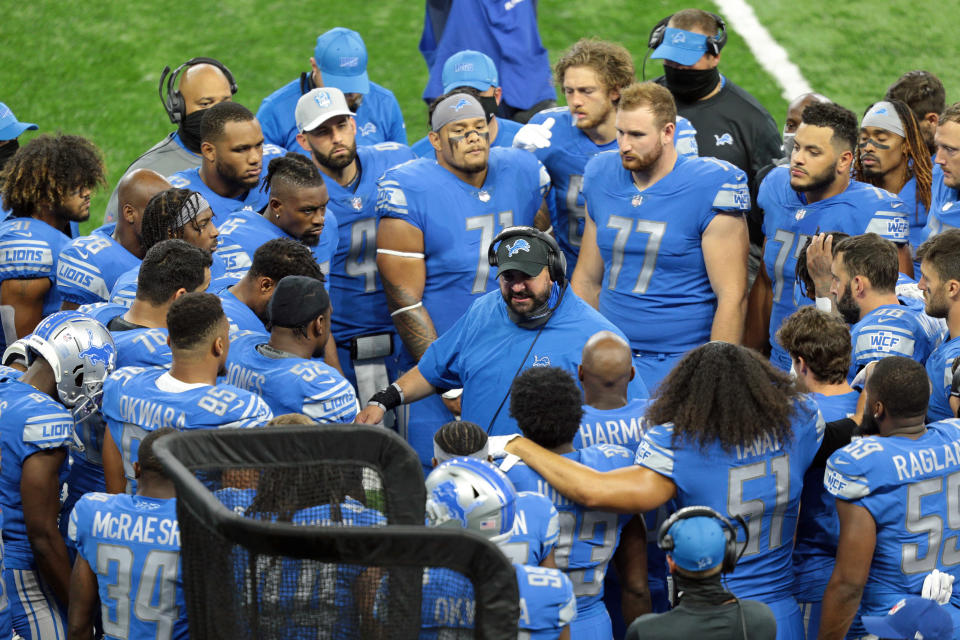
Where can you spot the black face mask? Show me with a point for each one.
(189, 130)
(489, 104)
(7, 151)
(689, 85)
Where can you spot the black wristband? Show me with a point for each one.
(387, 398)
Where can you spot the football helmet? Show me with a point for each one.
(471, 494)
(81, 353)
(16, 351)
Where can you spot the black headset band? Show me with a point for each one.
(558, 263)
(715, 43)
(171, 98)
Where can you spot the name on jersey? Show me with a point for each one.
(244, 378)
(558, 500)
(761, 445)
(70, 274)
(150, 415)
(143, 529)
(610, 432)
(451, 611)
(925, 461)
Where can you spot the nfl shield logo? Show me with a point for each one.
(357, 203)
(637, 200)
(800, 214)
(484, 196)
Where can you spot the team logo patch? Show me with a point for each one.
(349, 61)
(357, 203)
(322, 99)
(679, 38)
(880, 111)
(517, 247)
(541, 361)
(800, 214)
(461, 103)
(463, 66)
(483, 196)
(368, 129)
(97, 353)
(725, 139)
(637, 200)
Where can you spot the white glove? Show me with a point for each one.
(531, 137)
(938, 586)
(497, 444)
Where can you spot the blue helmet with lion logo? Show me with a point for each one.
(471, 494)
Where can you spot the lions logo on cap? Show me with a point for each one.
(517, 247)
(460, 104)
(322, 99)
(349, 61)
(679, 38)
(463, 66)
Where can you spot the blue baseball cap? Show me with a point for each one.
(469, 69)
(912, 618)
(10, 127)
(682, 47)
(698, 543)
(342, 58)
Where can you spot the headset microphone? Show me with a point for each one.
(172, 99)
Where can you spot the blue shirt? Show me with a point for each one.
(378, 117)
(90, 265)
(760, 480)
(135, 403)
(536, 528)
(916, 213)
(355, 287)
(789, 221)
(32, 422)
(940, 371)
(909, 488)
(222, 207)
(588, 538)
(506, 129)
(893, 330)
(240, 316)
(290, 384)
(944, 206)
(655, 283)
(547, 602)
(245, 231)
(125, 288)
(30, 249)
(622, 426)
(481, 352)
(458, 222)
(132, 544)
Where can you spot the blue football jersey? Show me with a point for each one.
(506, 130)
(817, 525)
(32, 422)
(760, 481)
(655, 284)
(458, 222)
(893, 330)
(125, 288)
(623, 426)
(944, 206)
(909, 486)
(789, 221)
(685, 138)
(138, 400)
(916, 213)
(940, 371)
(30, 249)
(547, 602)
(378, 117)
(240, 316)
(90, 265)
(290, 384)
(142, 348)
(244, 231)
(535, 530)
(588, 538)
(132, 544)
(355, 287)
(222, 207)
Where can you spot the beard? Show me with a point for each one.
(936, 304)
(644, 162)
(818, 182)
(336, 163)
(532, 305)
(234, 178)
(478, 165)
(847, 307)
(868, 425)
(592, 121)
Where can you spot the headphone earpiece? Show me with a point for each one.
(715, 43)
(731, 551)
(556, 261)
(172, 99)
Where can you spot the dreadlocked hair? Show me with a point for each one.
(293, 169)
(726, 394)
(46, 170)
(918, 158)
(160, 217)
(460, 437)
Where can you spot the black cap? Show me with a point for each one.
(525, 253)
(296, 301)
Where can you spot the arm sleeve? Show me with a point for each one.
(439, 364)
(656, 450)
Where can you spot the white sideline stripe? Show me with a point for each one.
(772, 57)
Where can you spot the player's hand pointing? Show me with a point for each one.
(531, 137)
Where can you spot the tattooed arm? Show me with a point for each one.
(403, 279)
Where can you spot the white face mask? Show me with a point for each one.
(787, 147)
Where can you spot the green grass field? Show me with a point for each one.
(92, 68)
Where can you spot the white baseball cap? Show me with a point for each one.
(318, 106)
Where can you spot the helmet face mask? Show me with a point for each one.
(81, 353)
(465, 493)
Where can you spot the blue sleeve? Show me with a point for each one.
(25, 257)
(440, 362)
(846, 476)
(80, 280)
(656, 450)
(270, 122)
(733, 194)
(249, 409)
(392, 202)
(50, 427)
(685, 138)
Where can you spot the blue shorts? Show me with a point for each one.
(788, 616)
(35, 611)
(595, 626)
(810, 611)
